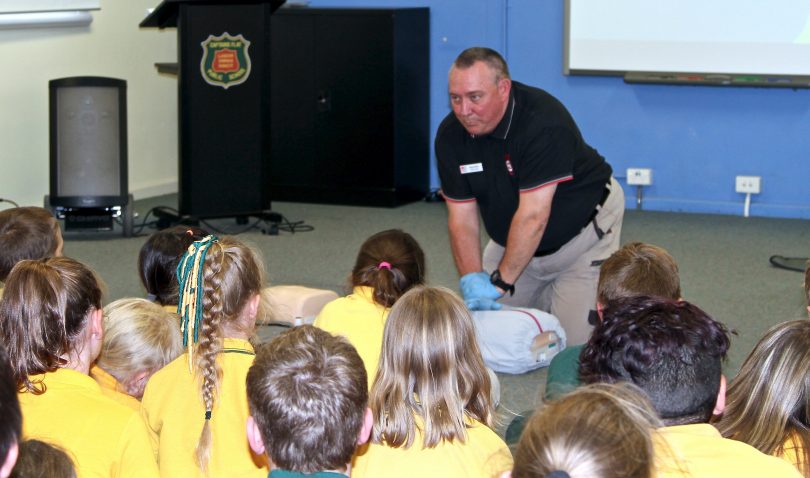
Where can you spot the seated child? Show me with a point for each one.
(140, 338)
(51, 313)
(196, 406)
(388, 265)
(597, 431)
(41, 460)
(633, 270)
(308, 404)
(27, 233)
(431, 395)
(11, 424)
(158, 259)
(768, 402)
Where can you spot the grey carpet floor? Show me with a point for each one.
(723, 263)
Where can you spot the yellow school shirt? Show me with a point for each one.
(483, 455)
(174, 413)
(699, 451)
(113, 389)
(103, 437)
(361, 320)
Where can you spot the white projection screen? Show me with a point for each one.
(734, 37)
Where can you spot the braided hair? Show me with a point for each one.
(217, 278)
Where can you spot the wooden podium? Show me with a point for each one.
(223, 72)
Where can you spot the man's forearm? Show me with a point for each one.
(466, 245)
(524, 238)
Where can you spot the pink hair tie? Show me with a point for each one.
(384, 265)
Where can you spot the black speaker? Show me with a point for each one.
(88, 142)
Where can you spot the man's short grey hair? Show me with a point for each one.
(492, 58)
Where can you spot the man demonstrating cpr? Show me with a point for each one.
(547, 199)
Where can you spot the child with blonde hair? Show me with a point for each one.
(51, 322)
(431, 396)
(388, 265)
(598, 431)
(140, 338)
(196, 407)
(768, 402)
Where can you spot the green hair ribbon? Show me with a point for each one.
(191, 291)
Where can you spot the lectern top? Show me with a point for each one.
(165, 14)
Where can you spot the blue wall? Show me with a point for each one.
(696, 139)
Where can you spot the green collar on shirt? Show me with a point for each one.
(295, 474)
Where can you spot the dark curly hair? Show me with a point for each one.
(672, 350)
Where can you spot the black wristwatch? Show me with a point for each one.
(496, 280)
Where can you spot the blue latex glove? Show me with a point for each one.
(478, 292)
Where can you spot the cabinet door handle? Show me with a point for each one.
(324, 101)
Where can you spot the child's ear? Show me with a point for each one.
(10, 460)
(720, 405)
(506, 474)
(97, 323)
(365, 430)
(254, 436)
(137, 383)
(254, 306)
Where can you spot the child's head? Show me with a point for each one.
(431, 366)
(140, 337)
(769, 400)
(670, 349)
(220, 285)
(390, 262)
(11, 424)
(157, 261)
(27, 233)
(307, 394)
(50, 317)
(597, 431)
(638, 269)
(40, 459)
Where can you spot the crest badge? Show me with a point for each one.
(225, 60)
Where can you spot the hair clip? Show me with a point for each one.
(558, 474)
(384, 265)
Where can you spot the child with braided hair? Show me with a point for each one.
(196, 407)
(388, 265)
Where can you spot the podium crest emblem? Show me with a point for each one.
(225, 60)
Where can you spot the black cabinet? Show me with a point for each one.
(350, 105)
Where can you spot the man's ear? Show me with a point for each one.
(504, 87)
(365, 430)
(720, 405)
(11, 459)
(254, 436)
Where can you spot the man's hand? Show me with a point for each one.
(479, 293)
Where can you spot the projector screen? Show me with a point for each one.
(732, 37)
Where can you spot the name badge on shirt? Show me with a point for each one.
(471, 168)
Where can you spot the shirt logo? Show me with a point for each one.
(508, 162)
(471, 168)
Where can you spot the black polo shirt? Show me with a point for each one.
(536, 144)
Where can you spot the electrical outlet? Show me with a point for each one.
(639, 176)
(748, 184)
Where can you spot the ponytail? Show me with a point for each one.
(390, 262)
